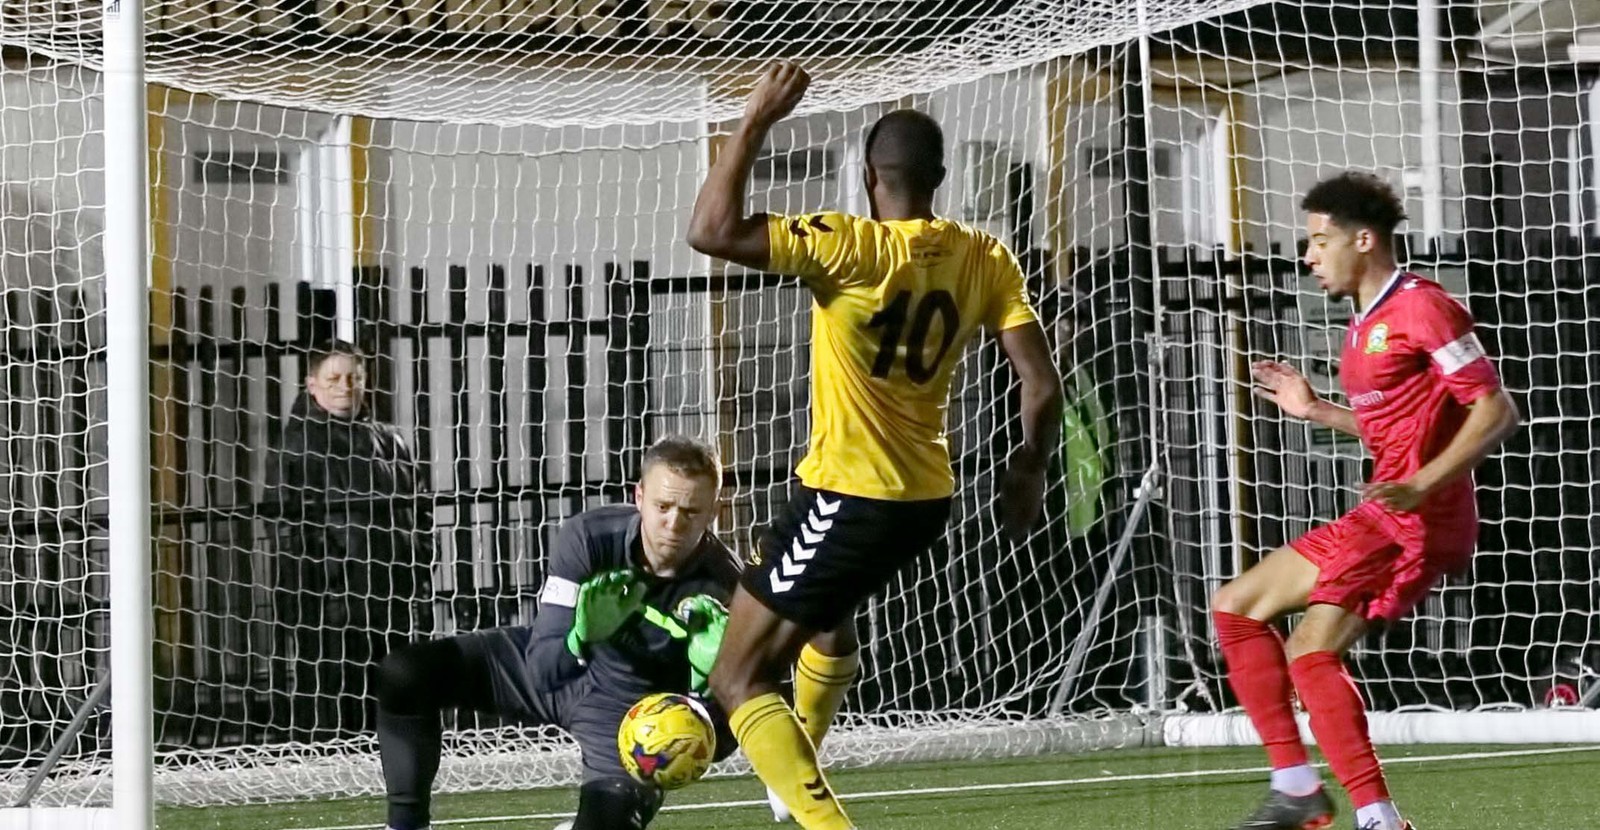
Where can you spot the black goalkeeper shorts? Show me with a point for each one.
(825, 553)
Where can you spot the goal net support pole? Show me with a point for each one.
(97, 698)
(1149, 488)
(127, 257)
(127, 679)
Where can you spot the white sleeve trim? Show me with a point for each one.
(1456, 355)
(559, 591)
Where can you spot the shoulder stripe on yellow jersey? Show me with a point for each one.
(798, 225)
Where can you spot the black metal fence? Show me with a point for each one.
(522, 409)
(224, 378)
(534, 405)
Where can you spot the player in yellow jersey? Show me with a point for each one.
(897, 298)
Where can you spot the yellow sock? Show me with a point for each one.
(820, 684)
(784, 758)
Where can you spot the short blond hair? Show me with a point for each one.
(686, 456)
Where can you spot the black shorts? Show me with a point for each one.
(825, 553)
(587, 709)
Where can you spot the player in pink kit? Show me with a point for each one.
(1428, 405)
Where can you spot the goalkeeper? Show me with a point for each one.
(631, 605)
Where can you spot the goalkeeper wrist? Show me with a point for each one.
(707, 620)
(576, 647)
(605, 602)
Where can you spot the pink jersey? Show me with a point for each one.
(1409, 367)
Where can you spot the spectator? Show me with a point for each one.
(352, 565)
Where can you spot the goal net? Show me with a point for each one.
(490, 197)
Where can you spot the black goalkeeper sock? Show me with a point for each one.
(415, 684)
(408, 745)
(616, 804)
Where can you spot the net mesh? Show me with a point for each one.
(538, 61)
(52, 408)
(501, 226)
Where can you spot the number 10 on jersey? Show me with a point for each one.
(892, 319)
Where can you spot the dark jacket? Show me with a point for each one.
(347, 491)
(641, 657)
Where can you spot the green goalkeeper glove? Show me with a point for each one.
(605, 602)
(706, 620)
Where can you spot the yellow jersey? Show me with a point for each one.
(895, 304)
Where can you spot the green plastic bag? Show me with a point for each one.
(1085, 452)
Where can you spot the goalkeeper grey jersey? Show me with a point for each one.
(643, 656)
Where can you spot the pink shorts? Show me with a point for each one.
(1380, 564)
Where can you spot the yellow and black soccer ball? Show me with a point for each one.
(667, 740)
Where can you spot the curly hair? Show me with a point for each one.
(1355, 200)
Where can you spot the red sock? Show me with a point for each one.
(1259, 675)
(1339, 720)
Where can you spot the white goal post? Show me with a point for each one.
(489, 197)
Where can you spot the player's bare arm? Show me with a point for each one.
(1022, 491)
(719, 226)
(1286, 387)
(1490, 421)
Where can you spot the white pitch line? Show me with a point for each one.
(1010, 785)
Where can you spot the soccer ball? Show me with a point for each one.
(1561, 694)
(667, 740)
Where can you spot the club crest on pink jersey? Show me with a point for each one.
(1378, 339)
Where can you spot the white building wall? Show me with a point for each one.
(1293, 130)
(441, 195)
(225, 234)
(52, 175)
(1008, 111)
(472, 196)
(53, 408)
(51, 296)
(1316, 123)
(477, 196)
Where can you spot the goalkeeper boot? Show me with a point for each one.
(780, 811)
(1282, 811)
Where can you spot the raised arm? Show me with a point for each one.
(720, 227)
(1022, 492)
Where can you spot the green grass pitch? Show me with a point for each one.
(1437, 787)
